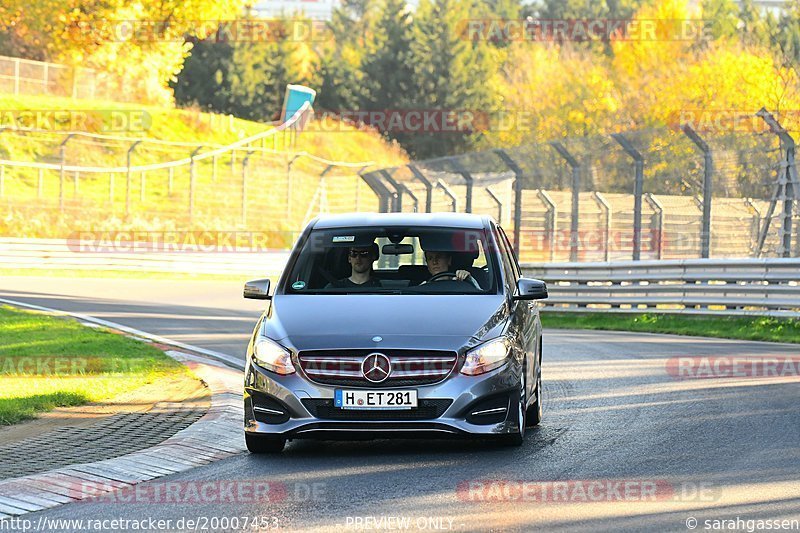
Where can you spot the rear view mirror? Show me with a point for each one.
(257, 289)
(531, 289)
(397, 249)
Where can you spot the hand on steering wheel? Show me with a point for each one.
(459, 275)
(442, 275)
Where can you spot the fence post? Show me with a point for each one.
(191, 183)
(552, 219)
(379, 189)
(518, 175)
(245, 162)
(468, 181)
(397, 206)
(494, 197)
(708, 171)
(638, 191)
(323, 188)
(576, 190)
(453, 198)
(784, 189)
(359, 180)
(128, 178)
(289, 164)
(426, 182)
(605, 207)
(659, 209)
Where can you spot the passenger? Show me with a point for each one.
(360, 259)
(440, 262)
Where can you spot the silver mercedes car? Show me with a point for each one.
(395, 326)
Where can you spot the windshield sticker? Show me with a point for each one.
(344, 238)
(298, 285)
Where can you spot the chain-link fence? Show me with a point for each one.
(259, 184)
(26, 77)
(649, 194)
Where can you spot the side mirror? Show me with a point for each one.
(531, 289)
(257, 289)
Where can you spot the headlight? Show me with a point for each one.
(486, 357)
(272, 356)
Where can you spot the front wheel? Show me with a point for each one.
(518, 437)
(264, 444)
(535, 411)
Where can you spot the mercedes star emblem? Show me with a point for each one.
(376, 367)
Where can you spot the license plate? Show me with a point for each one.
(385, 399)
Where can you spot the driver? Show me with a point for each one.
(439, 263)
(360, 259)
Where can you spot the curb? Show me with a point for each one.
(215, 436)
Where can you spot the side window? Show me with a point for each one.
(504, 259)
(514, 262)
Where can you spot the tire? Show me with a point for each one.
(535, 411)
(263, 444)
(518, 437)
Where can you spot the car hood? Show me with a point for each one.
(444, 322)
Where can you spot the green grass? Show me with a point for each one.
(48, 362)
(744, 328)
(278, 198)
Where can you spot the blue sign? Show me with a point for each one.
(296, 96)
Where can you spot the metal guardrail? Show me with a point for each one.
(57, 254)
(768, 287)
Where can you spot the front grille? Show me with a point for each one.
(427, 410)
(410, 368)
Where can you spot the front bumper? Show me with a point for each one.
(455, 399)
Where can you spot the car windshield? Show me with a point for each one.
(392, 260)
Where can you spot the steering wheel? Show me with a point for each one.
(441, 275)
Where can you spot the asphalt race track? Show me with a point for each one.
(624, 445)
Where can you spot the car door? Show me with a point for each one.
(525, 313)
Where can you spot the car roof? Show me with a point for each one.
(444, 220)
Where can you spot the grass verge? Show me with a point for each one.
(48, 362)
(744, 328)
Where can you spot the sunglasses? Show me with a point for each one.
(360, 253)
